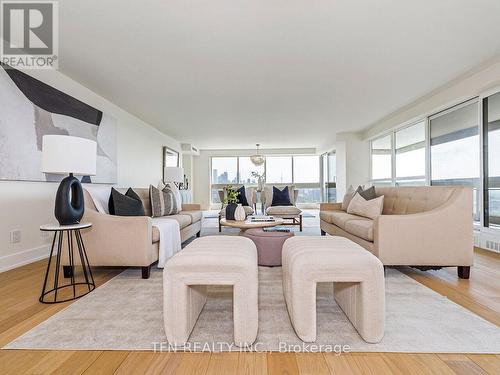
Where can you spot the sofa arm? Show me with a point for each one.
(330, 206)
(440, 237)
(117, 240)
(191, 207)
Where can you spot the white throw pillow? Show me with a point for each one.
(370, 209)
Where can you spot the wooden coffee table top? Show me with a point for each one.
(247, 224)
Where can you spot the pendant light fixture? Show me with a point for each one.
(257, 159)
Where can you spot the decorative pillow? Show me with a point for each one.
(368, 194)
(242, 198)
(281, 197)
(175, 190)
(162, 202)
(349, 195)
(370, 209)
(125, 205)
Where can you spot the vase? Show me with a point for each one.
(260, 185)
(239, 213)
(230, 210)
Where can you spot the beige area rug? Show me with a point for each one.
(126, 314)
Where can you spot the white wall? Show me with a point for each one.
(353, 161)
(473, 83)
(27, 205)
(201, 168)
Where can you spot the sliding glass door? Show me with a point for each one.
(330, 176)
(491, 156)
(455, 149)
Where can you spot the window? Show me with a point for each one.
(454, 150)
(381, 158)
(306, 178)
(224, 170)
(330, 176)
(279, 169)
(399, 158)
(306, 169)
(491, 126)
(410, 155)
(303, 171)
(246, 167)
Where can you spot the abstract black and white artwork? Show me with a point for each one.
(30, 109)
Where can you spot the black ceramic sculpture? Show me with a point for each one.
(69, 201)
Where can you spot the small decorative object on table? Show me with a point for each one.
(231, 199)
(79, 288)
(239, 213)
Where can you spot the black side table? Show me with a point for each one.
(79, 288)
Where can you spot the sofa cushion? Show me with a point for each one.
(362, 207)
(183, 220)
(128, 204)
(281, 197)
(369, 193)
(242, 197)
(349, 195)
(267, 194)
(339, 218)
(163, 202)
(283, 210)
(195, 215)
(362, 228)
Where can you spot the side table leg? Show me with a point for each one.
(48, 267)
(71, 263)
(58, 263)
(79, 235)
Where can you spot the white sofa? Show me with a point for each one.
(424, 226)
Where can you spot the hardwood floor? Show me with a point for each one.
(20, 311)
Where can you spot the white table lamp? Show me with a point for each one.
(173, 174)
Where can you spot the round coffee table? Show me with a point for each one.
(247, 224)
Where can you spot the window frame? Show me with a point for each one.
(393, 180)
(309, 185)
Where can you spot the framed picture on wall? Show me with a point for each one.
(170, 158)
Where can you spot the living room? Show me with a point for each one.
(252, 188)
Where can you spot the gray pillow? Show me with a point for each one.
(163, 202)
(368, 194)
(128, 204)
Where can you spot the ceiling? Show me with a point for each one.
(283, 73)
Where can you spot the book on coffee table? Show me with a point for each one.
(261, 219)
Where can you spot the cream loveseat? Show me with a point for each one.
(425, 226)
(129, 241)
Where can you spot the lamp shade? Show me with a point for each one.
(63, 154)
(173, 174)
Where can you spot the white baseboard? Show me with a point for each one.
(8, 262)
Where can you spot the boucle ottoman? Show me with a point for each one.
(212, 260)
(269, 245)
(358, 278)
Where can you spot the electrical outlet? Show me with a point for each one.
(15, 236)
